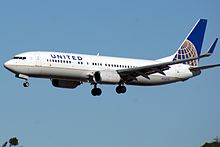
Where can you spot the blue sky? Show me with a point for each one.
(181, 114)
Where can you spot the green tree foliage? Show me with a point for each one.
(13, 141)
(213, 144)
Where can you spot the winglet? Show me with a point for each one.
(212, 48)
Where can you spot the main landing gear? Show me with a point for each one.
(120, 89)
(24, 77)
(96, 91)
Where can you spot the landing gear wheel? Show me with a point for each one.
(93, 92)
(96, 91)
(26, 84)
(120, 89)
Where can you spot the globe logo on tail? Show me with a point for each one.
(187, 50)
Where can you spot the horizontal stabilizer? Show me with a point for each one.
(204, 67)
(210, 51)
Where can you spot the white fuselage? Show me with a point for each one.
(81, 67)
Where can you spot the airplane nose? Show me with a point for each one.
(7, 65)
(11, 66)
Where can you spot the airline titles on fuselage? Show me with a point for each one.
(69, 57)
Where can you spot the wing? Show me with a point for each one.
(132, 73)
(145, 71)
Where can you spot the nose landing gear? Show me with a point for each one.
(26, 84)
(24, 77)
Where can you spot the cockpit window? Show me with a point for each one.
(22, 58)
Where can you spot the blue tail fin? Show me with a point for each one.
(192, 45)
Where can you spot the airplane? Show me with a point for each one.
(69, 70)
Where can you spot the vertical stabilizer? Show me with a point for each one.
(192, 45)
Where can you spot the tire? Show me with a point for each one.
(93, 91)
(120, 89)
(96, 91)
(123, 89)
(26, 84)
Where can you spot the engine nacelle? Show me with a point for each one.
(65, 83)
(107, 77)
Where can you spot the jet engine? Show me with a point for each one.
(107, 77)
